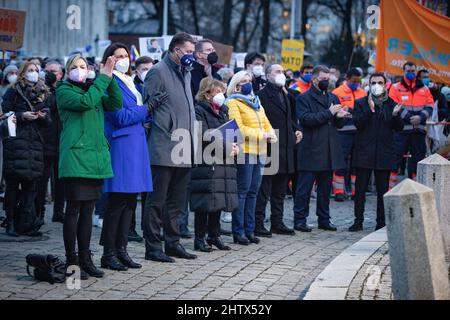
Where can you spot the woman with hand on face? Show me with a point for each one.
(84, 160)
(24, 154)
(125, 132)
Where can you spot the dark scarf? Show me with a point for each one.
(84, 86)
(36, 93)
(381, 99)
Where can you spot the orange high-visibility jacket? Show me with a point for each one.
(347, 98)
(417, 101)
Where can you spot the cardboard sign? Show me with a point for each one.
(224, 52)
(292, 54)
(12, 27)
(153, 47)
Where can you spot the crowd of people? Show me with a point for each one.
(109, 133)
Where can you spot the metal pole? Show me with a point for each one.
(299, 18)
(293, 14)
(165, 17)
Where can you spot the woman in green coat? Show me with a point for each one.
(84, 160)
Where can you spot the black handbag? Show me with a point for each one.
(47, 268)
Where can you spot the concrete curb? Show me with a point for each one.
(335, 279)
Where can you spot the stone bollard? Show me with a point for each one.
(434, 172)
(416, 249)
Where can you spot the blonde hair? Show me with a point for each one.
(207, 85)
(72, 60)
(23, 70)
(235, 81)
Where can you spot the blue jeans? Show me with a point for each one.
(249, 177)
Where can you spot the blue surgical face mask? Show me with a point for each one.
(426, 81)
(411, 75)
(307, 78)
(187, 60)
(353, 86)
(246, 89)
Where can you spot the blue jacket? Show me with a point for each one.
(128, 146)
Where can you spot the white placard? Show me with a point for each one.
(11, 127)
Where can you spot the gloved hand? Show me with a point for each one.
(157, 100)
(415, 120)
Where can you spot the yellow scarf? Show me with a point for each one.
(130, 85)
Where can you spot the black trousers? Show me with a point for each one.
(207, 222)
(305, 184)
(414, 142)
(275, 189)
(133, 217)
(50, 166)
(164, 206)
(78, 226)
(19, 190)
(362, 182)
(117, 219)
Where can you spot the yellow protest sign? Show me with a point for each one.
(292, 54)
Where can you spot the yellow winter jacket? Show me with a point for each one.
(252, 125)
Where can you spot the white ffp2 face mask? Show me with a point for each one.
(280, 80)
(123, 65)
(377, 90)
(12, 78)
(91, 75)
(219, 99)
(32, 76)
(143, 75)
(258, 71)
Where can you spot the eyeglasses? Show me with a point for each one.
(381, 83)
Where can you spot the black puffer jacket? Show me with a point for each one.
(23, 155)
(213, 187)
(52, 132)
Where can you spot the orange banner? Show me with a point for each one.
(411, 32)
(12, 26)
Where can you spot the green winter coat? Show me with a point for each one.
(84, 150)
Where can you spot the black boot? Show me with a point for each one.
(123, 256)
(243, 241)
(58, 217)
(380, 225)
(217, 242)
(281, 228)
(110, 261)
(10, 229)
(133, 236)
(72, 260)
(356, 227)
(252, 238)
(261, 231)
(88, 266)
(201, 245)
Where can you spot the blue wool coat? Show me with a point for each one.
(129, 150)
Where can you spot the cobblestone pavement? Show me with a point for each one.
(279, 268)
(373, 281)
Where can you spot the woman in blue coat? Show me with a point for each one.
(130, 162)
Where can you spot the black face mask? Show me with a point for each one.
(323, 85)
(50, 79)
(213, 58)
